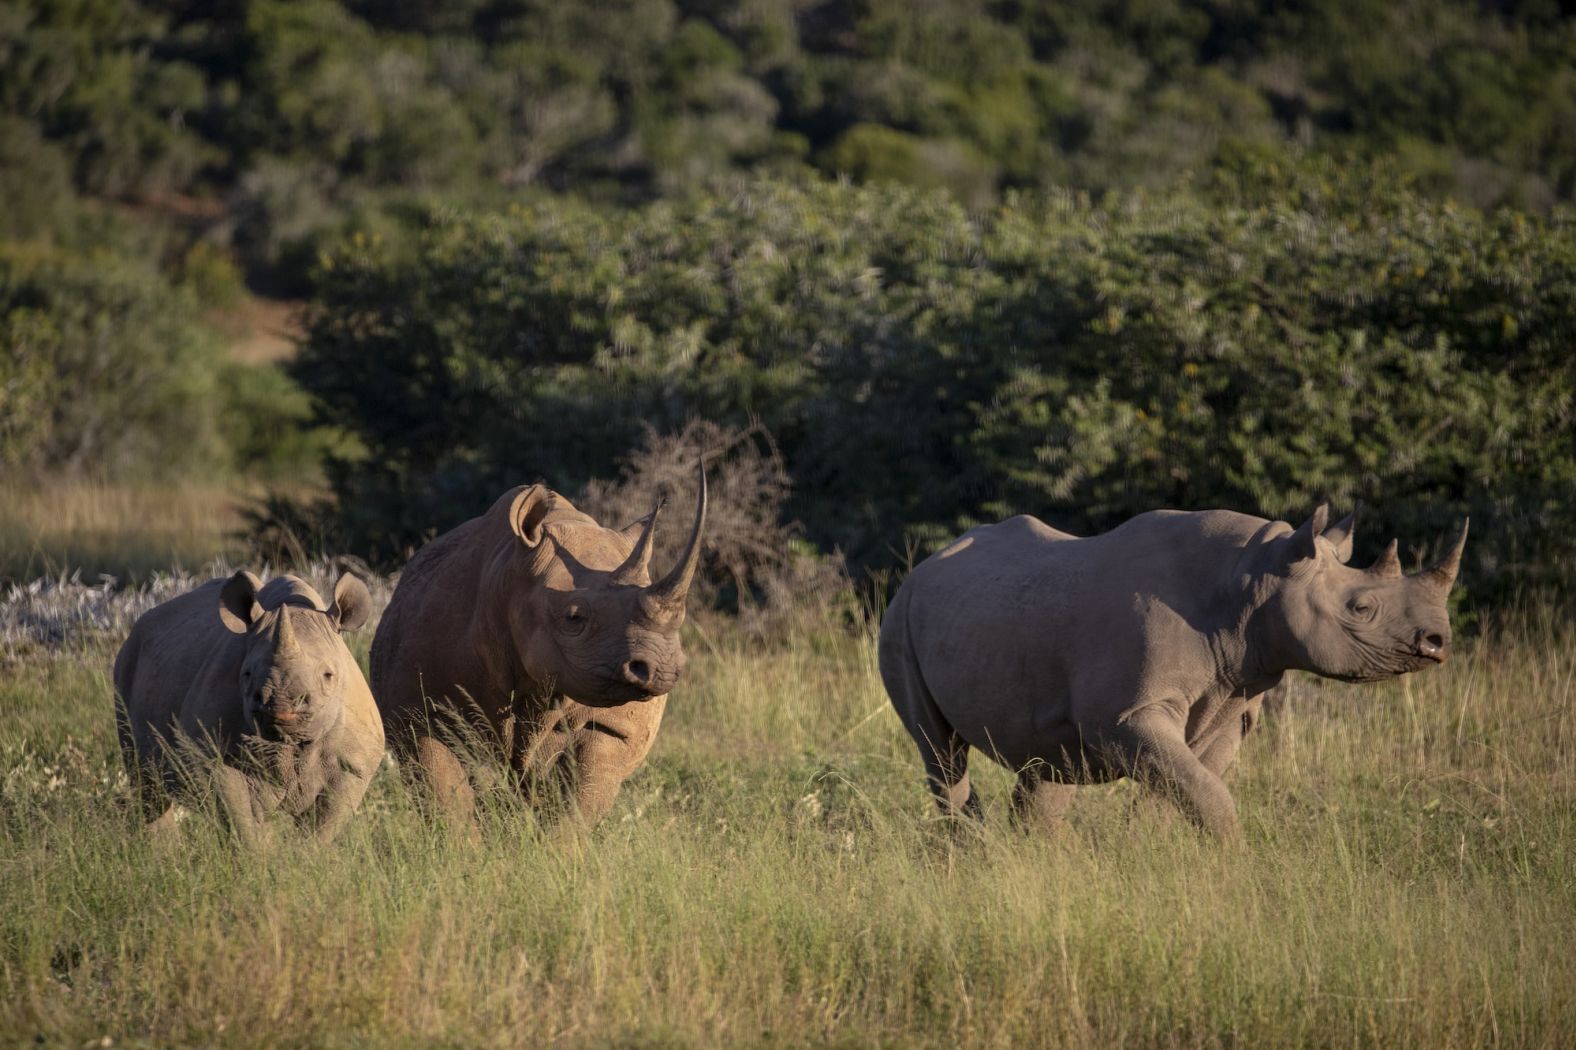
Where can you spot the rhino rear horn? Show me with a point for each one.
(666, 596)
(1442, 574)
(1388, 565)
(636, 567)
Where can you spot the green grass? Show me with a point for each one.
(775, 876)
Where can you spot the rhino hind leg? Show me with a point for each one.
(944, 753)
(946, 759)
(1039, 804)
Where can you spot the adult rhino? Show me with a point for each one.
(1144, 651)
(257, 677)
(545, 625)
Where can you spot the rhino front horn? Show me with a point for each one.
(666, 596)
(1443, 572)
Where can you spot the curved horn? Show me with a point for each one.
(669, 592)
(636, 566)
(1388, 565)
(1443, 572)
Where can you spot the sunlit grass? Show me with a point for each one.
(775, 875)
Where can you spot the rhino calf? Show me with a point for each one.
(544, 631)
(257, 678)
(1144, 651)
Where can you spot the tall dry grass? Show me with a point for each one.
(128, 530)
(775, 876)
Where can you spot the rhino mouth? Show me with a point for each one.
(1406, 662)
(614, 692)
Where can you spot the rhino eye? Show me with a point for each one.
(1363, 608)
(574, 619)
(328, 676)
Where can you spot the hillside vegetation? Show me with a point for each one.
(1089, 258)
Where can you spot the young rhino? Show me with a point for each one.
(1144, 651)
(257, 677)
(543, 630)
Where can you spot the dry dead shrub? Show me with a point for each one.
(752, 560)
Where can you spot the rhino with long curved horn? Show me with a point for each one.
(546, 624)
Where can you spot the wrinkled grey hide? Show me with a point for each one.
(1144, 651)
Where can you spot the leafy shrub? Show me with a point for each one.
(106, 368)
(1309, 334)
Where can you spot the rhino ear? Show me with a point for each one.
(1305, 541)
(528, 511)
(238, 607)
(1343, 532)
(352, 603)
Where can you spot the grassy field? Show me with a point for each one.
(775, 876)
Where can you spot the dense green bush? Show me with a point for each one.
(107, 369)
(1297, 336)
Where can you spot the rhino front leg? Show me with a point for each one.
(1153, 748)
(241, 805)
(341, 800)
(1222, 751)
(440, 771)
(595, 770)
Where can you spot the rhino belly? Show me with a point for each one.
(1016, 708)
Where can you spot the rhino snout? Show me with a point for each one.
(1431, 644)
(652, 679)
(281, 707)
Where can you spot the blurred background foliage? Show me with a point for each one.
(957, 258)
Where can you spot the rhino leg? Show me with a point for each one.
(946, 758)
(600, 768)
(338, 804)
(241, 805)
(1222, 751)
(1152, 747)
(1038, 803)
(440, 772)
